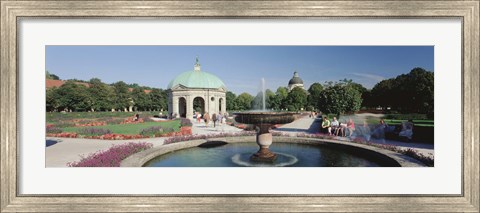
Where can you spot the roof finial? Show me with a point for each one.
(197, 64)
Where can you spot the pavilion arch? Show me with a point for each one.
(220, 104)
(182, 107)
(199, 105)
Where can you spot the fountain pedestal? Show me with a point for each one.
(264, 140)
(264, 121)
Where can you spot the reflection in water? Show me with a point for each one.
(50, 142)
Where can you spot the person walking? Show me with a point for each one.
(224, 122)
(199, 117)
(206, 117)
(214, 119)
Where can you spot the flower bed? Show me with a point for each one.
(112, 156)
(132, 121)
(94, 131)
(94, 123)
(53, 130)
(184, 131)
(63, 135)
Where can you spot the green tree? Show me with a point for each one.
(122, 95)
(296, 99)
(269, 99)
(244, 101)
(51, 76)
(314, 92)
(277, 102)
(230, 98)
(158, 99)
(407, 93)
(101, 94)
(52, 99)
(339, 97)
(141, 100)
(75, 97)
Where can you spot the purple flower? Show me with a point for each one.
(94, 131)
(112, 156)
(54, 130)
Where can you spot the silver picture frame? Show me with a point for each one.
(12, 11)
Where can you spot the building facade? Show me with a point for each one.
(196, 90)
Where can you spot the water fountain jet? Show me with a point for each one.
(264, 121)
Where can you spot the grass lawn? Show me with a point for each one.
(130, 129)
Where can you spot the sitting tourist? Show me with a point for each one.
(341, 129)
(380, 129)
(365, 131)
(350, 127)
(335, 126)
(326, 125)
(407, 130)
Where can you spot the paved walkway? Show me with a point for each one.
(202, 129)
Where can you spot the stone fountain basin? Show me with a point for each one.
(139, 159)
(271, 118)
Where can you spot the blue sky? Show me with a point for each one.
(240, 67)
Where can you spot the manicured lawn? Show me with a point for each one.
(130, 129)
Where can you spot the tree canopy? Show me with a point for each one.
(412, 92)
(101, 94)
(244, 101)
(339, 97)
(296, 99)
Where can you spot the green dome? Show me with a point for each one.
(197, 79)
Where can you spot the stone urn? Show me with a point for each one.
(263, 121)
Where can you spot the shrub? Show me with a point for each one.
(54, 130)
(156, 131)
(185, 122)
(112, 156)
(152, 131)
(63, 124)
(94, 131)
(412, 116)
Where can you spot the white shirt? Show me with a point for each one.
(335, 123)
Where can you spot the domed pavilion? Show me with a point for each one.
(296, 81)
(196, 90)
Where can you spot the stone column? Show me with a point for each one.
(224, 104)
(175, 106)
(189, 100)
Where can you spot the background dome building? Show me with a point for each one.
(295, 82)
(196, 90)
